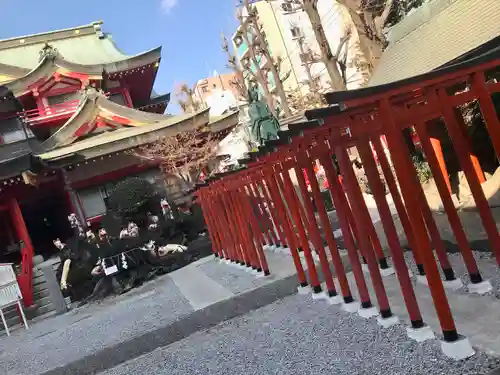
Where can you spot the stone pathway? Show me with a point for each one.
(88, 331)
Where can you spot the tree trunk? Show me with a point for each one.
(265, 52)
(258, 74)
(369, 27)
(307, 65)
(313, 84)
(277, 79)
(336, 81)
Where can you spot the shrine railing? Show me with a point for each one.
(366, 118)
(36, 114)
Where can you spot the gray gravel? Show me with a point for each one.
(485, 261)
(487, 266)
(298, 336)
(91, 329)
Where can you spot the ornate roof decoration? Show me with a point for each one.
(52, 62)
(47, 51)
(130, 123)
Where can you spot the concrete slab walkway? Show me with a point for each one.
(161, 312)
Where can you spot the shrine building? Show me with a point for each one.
(72, 109)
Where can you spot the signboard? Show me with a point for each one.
(9, 289)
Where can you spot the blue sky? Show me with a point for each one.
(188, 30)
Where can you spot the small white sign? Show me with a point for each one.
(111, 270)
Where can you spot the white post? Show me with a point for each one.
(4, 322)
(22, 314)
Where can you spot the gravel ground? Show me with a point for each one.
(235, 279)
(485, 261)
(61, 342)
(298, 336)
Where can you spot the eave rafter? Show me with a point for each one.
(55, 79)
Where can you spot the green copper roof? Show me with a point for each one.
(85, 45)
(435, 34)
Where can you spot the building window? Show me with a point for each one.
(204, 89)
(12, 130)
(296, 32)
(63, 98)
(94, 199)
(287, 7)
(118, 98)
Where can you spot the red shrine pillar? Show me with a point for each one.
(27, 252)
(430, 132)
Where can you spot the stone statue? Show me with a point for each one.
(264, 126)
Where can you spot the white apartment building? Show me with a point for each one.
(290, 35)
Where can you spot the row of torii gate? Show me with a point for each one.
(240, 233)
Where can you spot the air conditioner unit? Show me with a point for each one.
(287, 7)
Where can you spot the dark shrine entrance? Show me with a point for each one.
(10, 250)
(46, 217)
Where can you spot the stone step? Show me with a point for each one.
(39, 294)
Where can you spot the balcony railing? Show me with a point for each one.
(56, 110)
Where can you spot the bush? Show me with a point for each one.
(422, 168)
(132, 199)
(327, 199)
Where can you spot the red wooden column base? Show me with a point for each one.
(390, 231)
(312, 224)
(343, 210)
(25, 279)
(286, 186)
(274, 216)
(442, 184)
(332, 244)
(409, 189)
(398, 202)
(363, 223)
(288, 230)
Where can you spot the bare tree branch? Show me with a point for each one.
(311, 9)
(259, 76)
(264, 51)
(183, 155)
(186, 98)
(239, 81)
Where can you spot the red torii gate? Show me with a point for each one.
(364, 116)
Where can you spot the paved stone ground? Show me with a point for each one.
(86, 334)
(298, 336)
